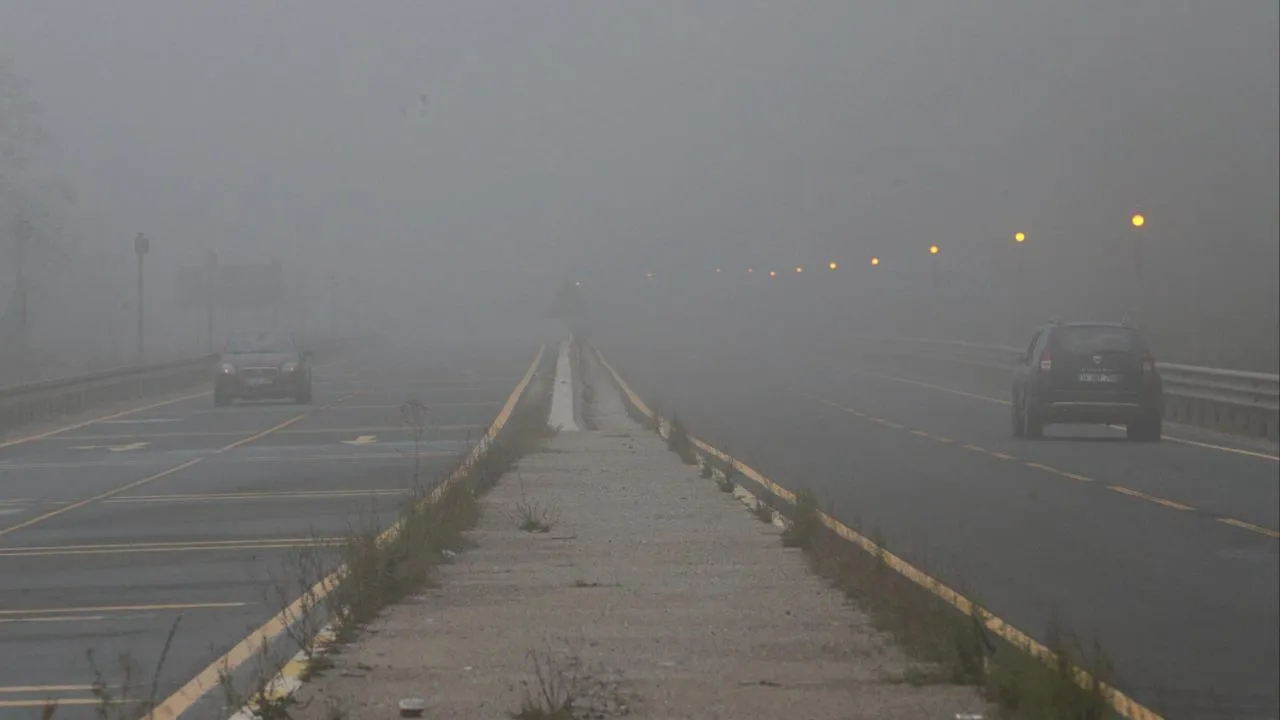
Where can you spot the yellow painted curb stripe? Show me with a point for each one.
(1122, 703)
(207, 679)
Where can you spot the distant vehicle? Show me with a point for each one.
(1099, 373)
(256, 365)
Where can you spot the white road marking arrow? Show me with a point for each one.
(362, 440)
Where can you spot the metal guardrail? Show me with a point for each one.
(44, 400)
(1246, 403)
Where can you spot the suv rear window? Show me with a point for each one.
(1086, 339)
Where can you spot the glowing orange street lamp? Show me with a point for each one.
(875, 261)
(1020, 237)
(799, 269)
(751, 270)
(1138, 220)
(933, 249)
(773, 273)
(832, 265)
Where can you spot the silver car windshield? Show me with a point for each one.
(258, 343)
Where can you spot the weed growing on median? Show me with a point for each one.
(679, 442)
(127, 700)
(705, 469)
(1029, 688)
(728, 478)
(414, 415)
(565, 687)
(762, 511)
(804, 525)
(530, 516)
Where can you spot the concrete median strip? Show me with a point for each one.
(607, 576)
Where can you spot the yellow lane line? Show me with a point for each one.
(1149, 498)
(1250, 527)
(61, 701)
(86, 423)
(122, 608)
(224, 545)
(284, 495)
(15, 689)
(165, 473)
(293, 431)
(56, 618)
(172, 549)
(931, 386)
(1119, 701)
(248, 648)
(1056, 471)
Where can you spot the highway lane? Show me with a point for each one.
(1186, 605)
(234, 495)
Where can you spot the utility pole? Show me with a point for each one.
(141, 246)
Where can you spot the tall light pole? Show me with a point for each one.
(933, 267)
(1138, 221)
(1019, 239)
(141, 246)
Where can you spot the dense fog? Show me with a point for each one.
(437, 170)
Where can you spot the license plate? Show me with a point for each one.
(1097, 377)
(258, 382)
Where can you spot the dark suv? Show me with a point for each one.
(262, 365)
(1099, 373)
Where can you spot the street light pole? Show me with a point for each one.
(141, 245)
(1139, 310)
(1019, 238)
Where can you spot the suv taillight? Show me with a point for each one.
(1046, 362)
(1148, 363)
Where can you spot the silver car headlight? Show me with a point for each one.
(290, 368)
(226, 368)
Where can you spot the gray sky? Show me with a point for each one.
(626, 136)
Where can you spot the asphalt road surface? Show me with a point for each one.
(1166, 553)
(111, 532)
